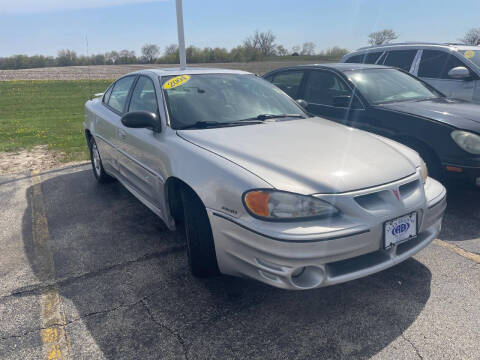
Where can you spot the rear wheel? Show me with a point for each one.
(97, 166)
(200, 245)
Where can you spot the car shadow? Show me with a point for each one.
(127, 292)
(462, 217)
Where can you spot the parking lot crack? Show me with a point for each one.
(417, 352)
(36, 289)
(165, 327)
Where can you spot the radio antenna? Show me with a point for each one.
(88, 68)
(181, 38)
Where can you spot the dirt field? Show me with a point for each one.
(114, 71)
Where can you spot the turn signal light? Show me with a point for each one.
(257, 202)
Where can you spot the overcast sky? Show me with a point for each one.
(46, 26)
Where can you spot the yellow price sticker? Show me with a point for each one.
(469, 54)
(176, 81)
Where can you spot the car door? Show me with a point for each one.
(289, 81)
(434, 67)
(108, 121)
(138, 145)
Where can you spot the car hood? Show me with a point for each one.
(458, 113)
(307, 156)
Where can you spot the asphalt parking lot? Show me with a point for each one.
(88, 272)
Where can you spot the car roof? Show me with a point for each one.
(423, 45)
(336, 66)
(189, 71)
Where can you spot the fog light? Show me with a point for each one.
(308, 277)
(299, 271)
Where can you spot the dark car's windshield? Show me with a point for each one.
(380, 86)
(224, 98)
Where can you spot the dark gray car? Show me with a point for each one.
(394, 104)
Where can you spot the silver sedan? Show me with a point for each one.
(263, 189)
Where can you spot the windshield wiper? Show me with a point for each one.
(263, 117)
(214, 124)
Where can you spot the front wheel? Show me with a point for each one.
(431, 160)
(97, 166)
(200, 245)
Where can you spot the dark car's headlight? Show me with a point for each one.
(280, 205)
(468, 141)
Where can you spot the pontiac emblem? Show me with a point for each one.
(396, 194)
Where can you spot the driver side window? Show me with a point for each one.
(323, 87)
(289, 81)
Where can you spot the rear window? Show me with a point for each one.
(402, 59)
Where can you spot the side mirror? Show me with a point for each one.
(343, 101)
(302, 103)
(459, 72)
(141, 119)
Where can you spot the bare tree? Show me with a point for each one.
(127, 57)
(295, 50)
(308, 48)
(281, 51)
(262, 41)
(111, 57)
(66, 57)
(150, 53)
(382, 37)
(171, 49)
(472, 37)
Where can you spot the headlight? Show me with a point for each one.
(467, 141)
(423, 170)
(279, 205)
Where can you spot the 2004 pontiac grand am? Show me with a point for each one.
(263, 189)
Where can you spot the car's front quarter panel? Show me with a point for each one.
(218, 182)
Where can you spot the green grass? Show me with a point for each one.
(46, 113)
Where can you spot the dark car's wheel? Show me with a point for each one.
(200, 246)
(433, 163)
(98, 170)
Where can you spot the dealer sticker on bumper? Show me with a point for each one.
(400, 229)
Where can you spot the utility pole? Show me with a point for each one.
(181, 38)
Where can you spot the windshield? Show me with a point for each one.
(223, 98)
(472, 55)
(380, 86)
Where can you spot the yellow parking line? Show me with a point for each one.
(53, 333)
(458, 250)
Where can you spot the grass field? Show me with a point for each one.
(45, 106)
(46, 112)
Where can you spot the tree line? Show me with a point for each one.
(259, 46)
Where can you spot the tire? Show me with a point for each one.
(434, 165)
(97, 166)
(202, 258)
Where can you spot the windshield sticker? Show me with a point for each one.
(176, 81)
(469, 54)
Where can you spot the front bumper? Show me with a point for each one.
(466, 175)
(303, 262)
